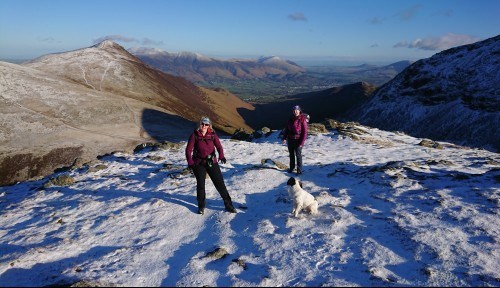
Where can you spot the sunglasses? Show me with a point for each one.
(203, 124)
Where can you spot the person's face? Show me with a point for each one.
(204, 126)
(296, 112)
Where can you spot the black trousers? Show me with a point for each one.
(200, 172)
(294, 150)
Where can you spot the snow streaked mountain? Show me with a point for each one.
(199, 68)
(49, 122)
(68, 108)
(398, 66)
(453, 96)
(184, 55)
(108, 67)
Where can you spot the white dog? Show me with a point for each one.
(302, 200)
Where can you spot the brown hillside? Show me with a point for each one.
(109, 67)
(65, 109)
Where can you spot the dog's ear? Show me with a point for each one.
(290, 181)
(300, 184)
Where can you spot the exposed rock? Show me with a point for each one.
(61, 180)
(19, 167)
(166, 145)
(242, 135)
(332, 124)
(240, 263)
(430, 144)
(218, 253)
(272, 164)
(316, 128)
(96, 168)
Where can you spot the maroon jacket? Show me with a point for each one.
(296, 128)
(198, 150)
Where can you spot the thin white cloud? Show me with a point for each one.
(297, 16)
(48, 40)
(408, 14)
(121, 38)
(147, 41)
(438, 43)
(376, 20)
(445, 13)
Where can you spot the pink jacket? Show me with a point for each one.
(197, 150)
(296, 128)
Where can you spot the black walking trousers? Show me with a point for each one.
(294, 150)
(200, 172)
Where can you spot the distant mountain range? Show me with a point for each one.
(452, 96)
(198, 68)
(374, 74)
(263, 79)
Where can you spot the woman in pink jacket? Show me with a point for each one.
(295, 133)
(201, 158)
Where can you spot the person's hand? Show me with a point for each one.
(190, 167)
(222, 160)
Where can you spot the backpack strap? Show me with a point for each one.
(207, 161)
(305, 117)
(196, 138)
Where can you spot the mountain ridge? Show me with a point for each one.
(199, 68)
(451, 96)
(118, 71)
(65, 109)
(264, 78)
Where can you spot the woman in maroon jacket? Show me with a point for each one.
(200, 155)
(296, 133)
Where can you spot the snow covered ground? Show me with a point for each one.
(392, 213)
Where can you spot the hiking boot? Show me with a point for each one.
(201, 211)
(290, 170)
(299, 171)
(230, 209)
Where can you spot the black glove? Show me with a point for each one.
(222, 160)
(190, 167)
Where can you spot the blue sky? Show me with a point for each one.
(331, 30)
